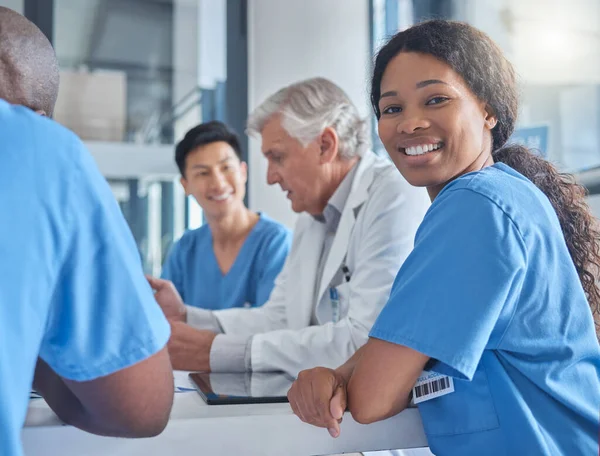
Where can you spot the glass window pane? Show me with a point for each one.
(555, 48)
(139, 71)
(154, 210)
(16, 5)
(116, 61)
(142, 72)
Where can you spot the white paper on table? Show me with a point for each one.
(182, 382)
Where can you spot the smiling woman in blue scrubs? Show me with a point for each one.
(233, 260)
(494, 301)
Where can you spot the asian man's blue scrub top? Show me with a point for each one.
(193, 268)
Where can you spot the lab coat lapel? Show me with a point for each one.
(313, 235)
(356, 198)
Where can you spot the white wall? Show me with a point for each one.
(131, 161)
(293, 40)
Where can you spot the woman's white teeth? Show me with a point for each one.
(422, 149)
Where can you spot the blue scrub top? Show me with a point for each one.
(193, 268)
(72, 288)
(491, 294)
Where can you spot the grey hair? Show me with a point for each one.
(307, 108)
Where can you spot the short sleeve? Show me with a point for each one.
(172, 268)
(103, 315)
(467, 264)
(272, 258)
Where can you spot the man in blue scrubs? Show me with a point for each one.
(232, 260)
(75, 310)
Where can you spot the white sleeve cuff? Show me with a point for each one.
(203, 319)
(230, 353)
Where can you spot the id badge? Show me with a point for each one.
(431, 385)
(334, 297)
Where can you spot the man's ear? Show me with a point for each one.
(244, 171)
(41, 113)
(328, 142)
(184, 184)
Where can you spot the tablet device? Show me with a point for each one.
(242, 388)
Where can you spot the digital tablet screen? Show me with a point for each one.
(242, 388)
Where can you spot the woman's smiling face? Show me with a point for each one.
(432, 125)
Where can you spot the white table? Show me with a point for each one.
(230, 430)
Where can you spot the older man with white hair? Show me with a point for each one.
(357, 223)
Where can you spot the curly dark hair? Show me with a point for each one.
(491, 77)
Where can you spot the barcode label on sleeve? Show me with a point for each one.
(431, 385)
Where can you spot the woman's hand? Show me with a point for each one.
(318, 397)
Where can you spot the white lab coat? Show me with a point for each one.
(374, 236)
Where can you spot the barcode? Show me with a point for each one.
(432, 387)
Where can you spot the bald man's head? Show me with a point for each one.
(28, 66)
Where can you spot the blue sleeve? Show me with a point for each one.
(172, 268)
(103, 316)
(272, 258)
(467, 264)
